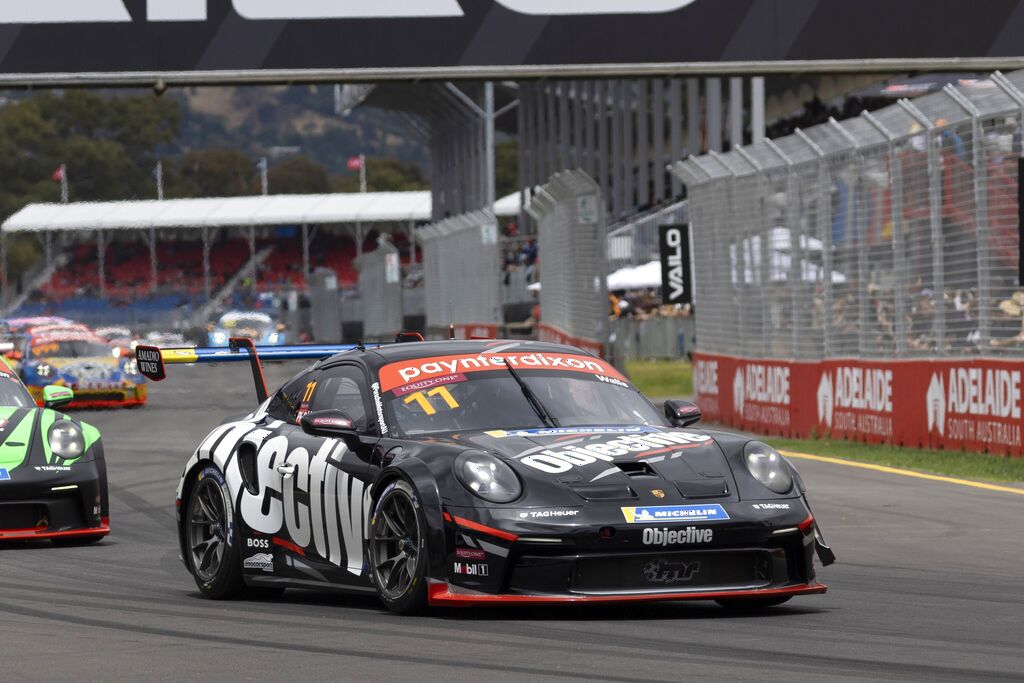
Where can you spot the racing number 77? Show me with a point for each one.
(423, 402)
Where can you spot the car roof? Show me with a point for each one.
(391, 353)
(246, 315)
(64, 335)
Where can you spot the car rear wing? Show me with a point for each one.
(153, 360)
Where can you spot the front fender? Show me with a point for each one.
(418, 475)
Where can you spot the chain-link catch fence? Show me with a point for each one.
(572, 244)
(891, 234)
(461, 266)
(380, 290)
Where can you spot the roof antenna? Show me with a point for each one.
(451, 331)
(360, 345)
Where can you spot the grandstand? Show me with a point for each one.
(168, 258)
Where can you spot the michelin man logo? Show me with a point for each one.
(936, 400)
(737, 391)
(825, 399)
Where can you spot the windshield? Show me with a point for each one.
(70, 349)
(484, 395)
(12, 393)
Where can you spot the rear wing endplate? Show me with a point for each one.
(153, 360)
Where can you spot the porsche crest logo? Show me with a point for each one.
(658, 493)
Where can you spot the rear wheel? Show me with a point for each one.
(211, 554)
(752, 603)
(398, 550)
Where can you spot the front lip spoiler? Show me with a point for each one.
(35, 534)
(86, 403)
(440, 594)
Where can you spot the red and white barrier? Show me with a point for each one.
(964, 404)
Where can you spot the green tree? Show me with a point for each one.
(215, 173)
(298, 175)
(506, 168)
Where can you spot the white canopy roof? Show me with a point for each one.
(294, 209)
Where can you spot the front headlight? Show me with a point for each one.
(130, 367)
(768, 466)
(43, 370)
(487, 477)
(66, 439)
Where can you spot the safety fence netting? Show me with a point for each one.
(380, 289)
(572, 242)
(461, 267)
(885, 239)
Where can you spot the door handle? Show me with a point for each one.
(286, 471)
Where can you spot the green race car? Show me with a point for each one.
(53, 477)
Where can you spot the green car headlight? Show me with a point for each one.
(66, 439)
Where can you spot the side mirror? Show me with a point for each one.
(682, 413)
(57, 397)
(331, 423)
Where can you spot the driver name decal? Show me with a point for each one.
(403, 373)
(564, 459)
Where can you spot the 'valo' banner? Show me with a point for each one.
(172, 36)
(676, 270)
(966, 404)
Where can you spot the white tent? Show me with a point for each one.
(213, 212)
(351, 208)
(636, 277)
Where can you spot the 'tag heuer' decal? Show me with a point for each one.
(399, 374)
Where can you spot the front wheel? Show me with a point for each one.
(398, 550)
(752, 603)
(212, 555)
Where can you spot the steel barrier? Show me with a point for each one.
(572, 241)
(651, 338)
(461, 267)
(380, 289)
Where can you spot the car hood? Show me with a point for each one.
(23, 438)
(94, 368)
(605, 463)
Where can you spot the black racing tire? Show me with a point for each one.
(78, 540)
(213, 557)
(741, 604)
(398, 549)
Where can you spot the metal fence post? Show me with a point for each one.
(935, 219)
(898, 247)
(825, 231)
(721, 230)
(862, 254)
(796, 275)
(764, 290)
(981, 226)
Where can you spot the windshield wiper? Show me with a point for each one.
(538, 407)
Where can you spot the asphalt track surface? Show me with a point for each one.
(929, 586)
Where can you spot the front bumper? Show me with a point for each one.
(756, 554)
(125, 396)
(442, 594)
(54, 502)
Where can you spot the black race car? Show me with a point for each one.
(484, 472)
